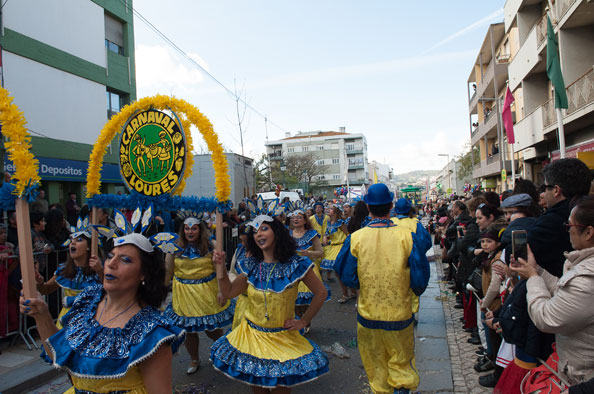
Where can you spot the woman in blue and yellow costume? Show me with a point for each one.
(308, 245)
(334, 237)
(196, 304)
(79, 272)
(319, 220)
(266, 350)
(114, 338)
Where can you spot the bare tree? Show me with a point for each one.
(299, 168)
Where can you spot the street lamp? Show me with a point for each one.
(448, 169)
(283, 168)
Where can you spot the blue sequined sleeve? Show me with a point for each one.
(424, 238)
(345, 265)
(419, 267)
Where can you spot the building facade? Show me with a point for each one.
(343, 156)
(382, 173)
(487, 84)
(69, 68)
(535, 119)
(202, 181)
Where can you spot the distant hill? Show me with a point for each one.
(415, 176)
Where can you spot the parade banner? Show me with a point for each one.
(155, 159)
(152, 153)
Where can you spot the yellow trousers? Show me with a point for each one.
(415, 303)
(388, 358)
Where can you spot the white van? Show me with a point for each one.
(267, 196)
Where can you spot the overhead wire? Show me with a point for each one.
(196, 64)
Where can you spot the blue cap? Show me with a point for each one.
(378, 194)
(402, 206)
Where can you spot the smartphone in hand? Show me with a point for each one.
(520, 244)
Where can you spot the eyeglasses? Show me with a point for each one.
(481, 205)
(568, 225)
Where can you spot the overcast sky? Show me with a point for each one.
(395, 71)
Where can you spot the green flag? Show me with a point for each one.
(554, 67)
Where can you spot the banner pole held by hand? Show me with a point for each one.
(25, 248)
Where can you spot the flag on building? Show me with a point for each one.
(506, 116)
(374, 176)
(554, 67)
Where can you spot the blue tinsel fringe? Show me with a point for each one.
(8, 198)
(162, 202)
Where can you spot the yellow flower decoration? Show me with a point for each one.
(18, 145)
(189, 115)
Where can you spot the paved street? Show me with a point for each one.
(336, 323)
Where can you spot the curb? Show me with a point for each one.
(27, 377)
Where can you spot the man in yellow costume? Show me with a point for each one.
(378, 263)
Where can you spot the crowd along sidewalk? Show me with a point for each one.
(462, 353)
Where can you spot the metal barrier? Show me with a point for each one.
(50, 262)
(231, 240)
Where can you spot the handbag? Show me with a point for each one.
(476, 280)
(544, 379)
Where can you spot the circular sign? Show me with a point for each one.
(503, 175)
(152, 153)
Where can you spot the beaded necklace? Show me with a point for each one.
(103, 310)
(266, 288)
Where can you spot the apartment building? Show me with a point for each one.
(487, 84)
(536, 122)
(69, 66)
(343, 155)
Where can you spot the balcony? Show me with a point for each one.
(355, 181)
(489, 123)
(580, 94)
(541, 30)
(528, 131)
(485, 86)
(275, 156)
(563, 6)
(526, 60)
(354, 151)
(490, 167)
(355, 166)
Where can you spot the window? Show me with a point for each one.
(320, 147)
(305, 148)
(350, 147)
(335, 161)
(114, 34)
(114, 103)
(336, 176)
(114, 47)
(291, 150)
(320, 162)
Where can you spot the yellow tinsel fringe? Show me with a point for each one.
(189, 115)
(18, 144)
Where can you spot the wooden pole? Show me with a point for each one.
(94, 236)
(219, 231)
(25, 248)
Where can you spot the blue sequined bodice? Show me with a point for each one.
(333, 227)
(306, 240)
(87, 337)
